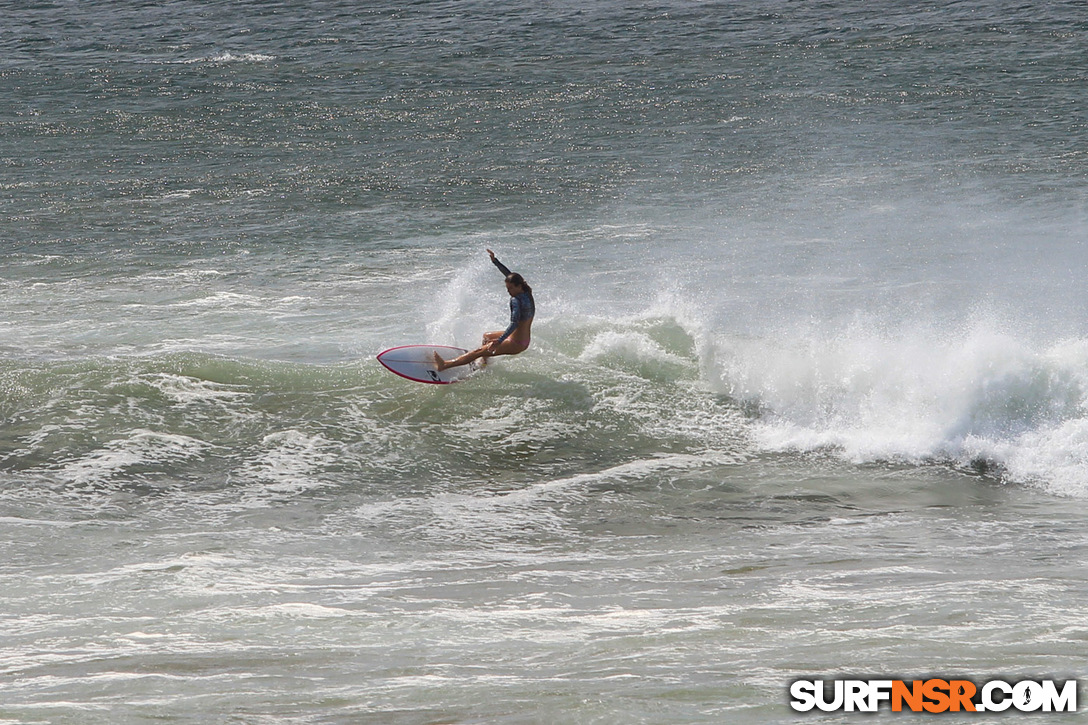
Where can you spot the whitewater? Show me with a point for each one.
(807, 396)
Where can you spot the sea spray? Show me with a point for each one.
(983, 396)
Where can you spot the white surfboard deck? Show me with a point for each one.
(416, 362)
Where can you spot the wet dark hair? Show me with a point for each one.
(516, 279)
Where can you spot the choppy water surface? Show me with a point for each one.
(807, 395)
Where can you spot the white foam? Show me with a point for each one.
(223, 300)
(186, 390)
(631, 345)
(139, 447)
(17, 521)
(986, 394)
(289, 461)
(1055, 457)
(295, 610)
(193, 276)
(228, 57)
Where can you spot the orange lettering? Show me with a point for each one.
(935, 690)
(961, 692)
(913, 696)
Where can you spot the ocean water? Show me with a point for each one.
(807, 396)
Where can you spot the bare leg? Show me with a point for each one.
(508, 347)
(458, 361)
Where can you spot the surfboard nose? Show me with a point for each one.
(417, 363)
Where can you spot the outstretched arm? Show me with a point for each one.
(500, 265)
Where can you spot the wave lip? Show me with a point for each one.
(986, 400)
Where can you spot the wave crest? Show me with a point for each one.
(983, 397)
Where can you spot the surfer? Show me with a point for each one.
(512, 340)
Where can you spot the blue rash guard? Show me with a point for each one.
(522, 307)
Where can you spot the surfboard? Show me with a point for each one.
(416, 362)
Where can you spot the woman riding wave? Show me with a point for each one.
(512, 340)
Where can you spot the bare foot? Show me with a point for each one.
(439, 362)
